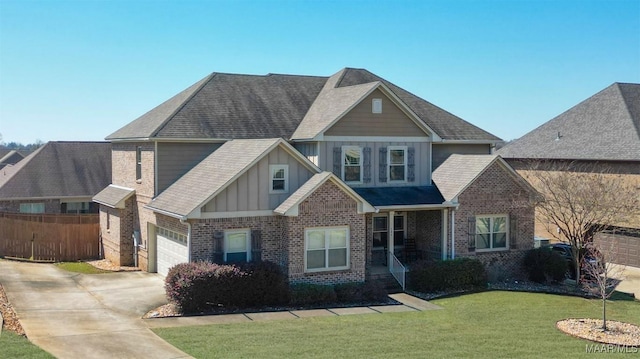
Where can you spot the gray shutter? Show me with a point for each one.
(218, 247)
(337, 161)
(513, 229)
(366, 164)
(383, 165)
(411, 170)
(472, 234)
(256, 245)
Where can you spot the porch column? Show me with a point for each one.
(390, 240)
(453, 234)
(445, 232)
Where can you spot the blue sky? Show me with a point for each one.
(79, 70)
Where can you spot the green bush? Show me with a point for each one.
(543, 264)
(357, 292)
(457, 274)
(312, 294)
(202, 286)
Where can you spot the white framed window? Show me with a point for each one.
(492, 232)
(279, 178)
(352, 164)
(138, 163)
(31, 207)
(376, 105)
(381, 230)
(397, 162)
(237, 246)
(326, 248)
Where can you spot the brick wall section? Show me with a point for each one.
(496, 192)
(50, 205)
(117, 240)
(328, 206)
(272, 236)
(429, 233)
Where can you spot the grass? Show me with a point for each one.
(13, 345)
(482, 325)
(80, 267)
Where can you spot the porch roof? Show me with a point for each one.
(401, 196)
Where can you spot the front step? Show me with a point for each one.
(389, 283)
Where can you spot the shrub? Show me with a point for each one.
(456, 274)
(312, 294)
(202, 286)
(358, 292)
(543, 264)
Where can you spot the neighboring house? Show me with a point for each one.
(59, 177)
(319, 174)
(9, 157)
(601, 131)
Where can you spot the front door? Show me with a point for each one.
(380, 231)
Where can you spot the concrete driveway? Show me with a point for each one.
(630, 279)
(74, 315)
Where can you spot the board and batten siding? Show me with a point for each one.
(422, 153)
(361, 121)
(250, 192)
(442, 151)
(176, 159)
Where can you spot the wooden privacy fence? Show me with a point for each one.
(50, 237)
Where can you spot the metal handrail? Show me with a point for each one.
(398, 271)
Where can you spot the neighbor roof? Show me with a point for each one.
(58, 170)
(459, 171)
(10, 157)
(605, 126)
(205, 180)
(234, 106)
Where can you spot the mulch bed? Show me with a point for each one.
(617, 333)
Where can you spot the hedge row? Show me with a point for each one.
(543, 264)
(202, 286)
(457, 274)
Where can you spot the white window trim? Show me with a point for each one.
(491, 249)
(389, 164)
(376, 105)
(247, 232)
(272, 169)
(342, 165)
(139, 164)
(326, 268)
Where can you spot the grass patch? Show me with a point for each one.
(80, 267)
(13, 345)
(482, 325)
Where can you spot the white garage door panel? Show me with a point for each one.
(171, 250)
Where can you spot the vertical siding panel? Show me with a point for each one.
(232, 196)
(221, 201)
(243, 192)
(263, 184)
(253, 192)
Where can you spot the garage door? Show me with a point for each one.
(172, 249)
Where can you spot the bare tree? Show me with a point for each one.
(578, 200)
(601, 275)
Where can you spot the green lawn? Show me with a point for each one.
(80, 267)
(483, 325)
(13, 345)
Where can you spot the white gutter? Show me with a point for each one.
(415, 207)
(453, 233)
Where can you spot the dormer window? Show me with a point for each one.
(376, 105)
(279, 178)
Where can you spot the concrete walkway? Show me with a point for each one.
(86, 316)
(409, 304)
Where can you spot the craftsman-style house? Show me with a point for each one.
(333, 178)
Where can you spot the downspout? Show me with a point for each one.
(183, 220)
(453, 233)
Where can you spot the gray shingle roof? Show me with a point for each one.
(231, 106)
(57, 170)
(10, 157)
(205, 180)
(114, 196)
(605, 126)
(458, 172)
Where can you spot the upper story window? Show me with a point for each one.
(352, 164)
(376, 105)
(139, 163)
(397, 163)
(31, 207)
(279, 178)
(491, 232)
